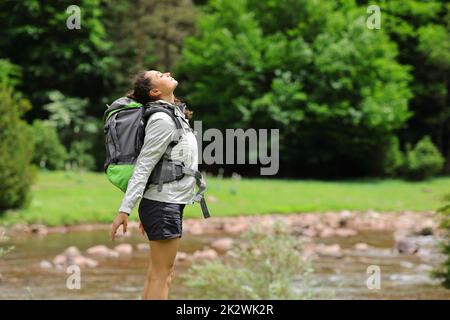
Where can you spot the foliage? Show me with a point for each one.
(146, 35)
(337, 91)
(443, 272)
(423, 161)
(422, 31)
(16, 150)
(75, 62)
(394, 158)
(10, 74)
(265, 267)
(331, 85)
(75, 127)
(49, 152)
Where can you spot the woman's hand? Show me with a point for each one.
(122, 218)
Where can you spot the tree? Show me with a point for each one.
(147, 34)
(16, 142)
(49, 152)
(75, 62)
(332, 86)
(422, 31)
(75, 127)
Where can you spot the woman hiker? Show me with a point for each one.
(160, 212)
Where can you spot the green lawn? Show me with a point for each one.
(70, 197)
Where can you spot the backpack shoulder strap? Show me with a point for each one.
(152, 109)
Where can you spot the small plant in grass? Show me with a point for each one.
(443, 272)
(265, 266)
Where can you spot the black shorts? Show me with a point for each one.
(161, 220)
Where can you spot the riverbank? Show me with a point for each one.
(342, 223)
(71, 198)
(341, 245)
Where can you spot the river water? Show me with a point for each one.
(402, 276)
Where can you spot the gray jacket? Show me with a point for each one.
(159, 132)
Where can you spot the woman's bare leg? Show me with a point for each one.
(147, 278)
(160, 273)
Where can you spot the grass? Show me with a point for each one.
(62, 198)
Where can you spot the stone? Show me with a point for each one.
(60, 259)
(222, 244)
(82, 262)
(38, 229)
(102, 252)
(333, 250)
(72, 252)
(426, 231)
(326, 232)
(143, 247)
(182, 256)
(238, 227)
(124, 249)
(427, 228)
(361, 246)
(407, 246)
(310, 232)
(345, 232)
(206, 254)
(195, 229)
(406, 264)
(45, 264)
(344, 217)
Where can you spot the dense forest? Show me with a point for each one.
(349, 101)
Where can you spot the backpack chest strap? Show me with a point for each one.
(200, 196)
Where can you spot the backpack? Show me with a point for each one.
(125, 122)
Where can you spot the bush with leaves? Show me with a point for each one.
(16, 142)
(265, 266)
(49, 152)
(16, 151)
(394, 158)
(76, 128)
(443, 272)
(423, 161)
(310, 68)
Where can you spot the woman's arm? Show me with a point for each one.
(158, 135)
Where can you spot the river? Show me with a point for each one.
(402, 276)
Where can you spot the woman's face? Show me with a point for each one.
(163, 83)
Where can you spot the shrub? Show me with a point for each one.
(265, 267)
(76, 129)
(16, 151)
(424, 161)
(443, 272)
(49, 152)
(79, 158)
(393, 158)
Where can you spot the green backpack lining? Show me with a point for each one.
(119, 175)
